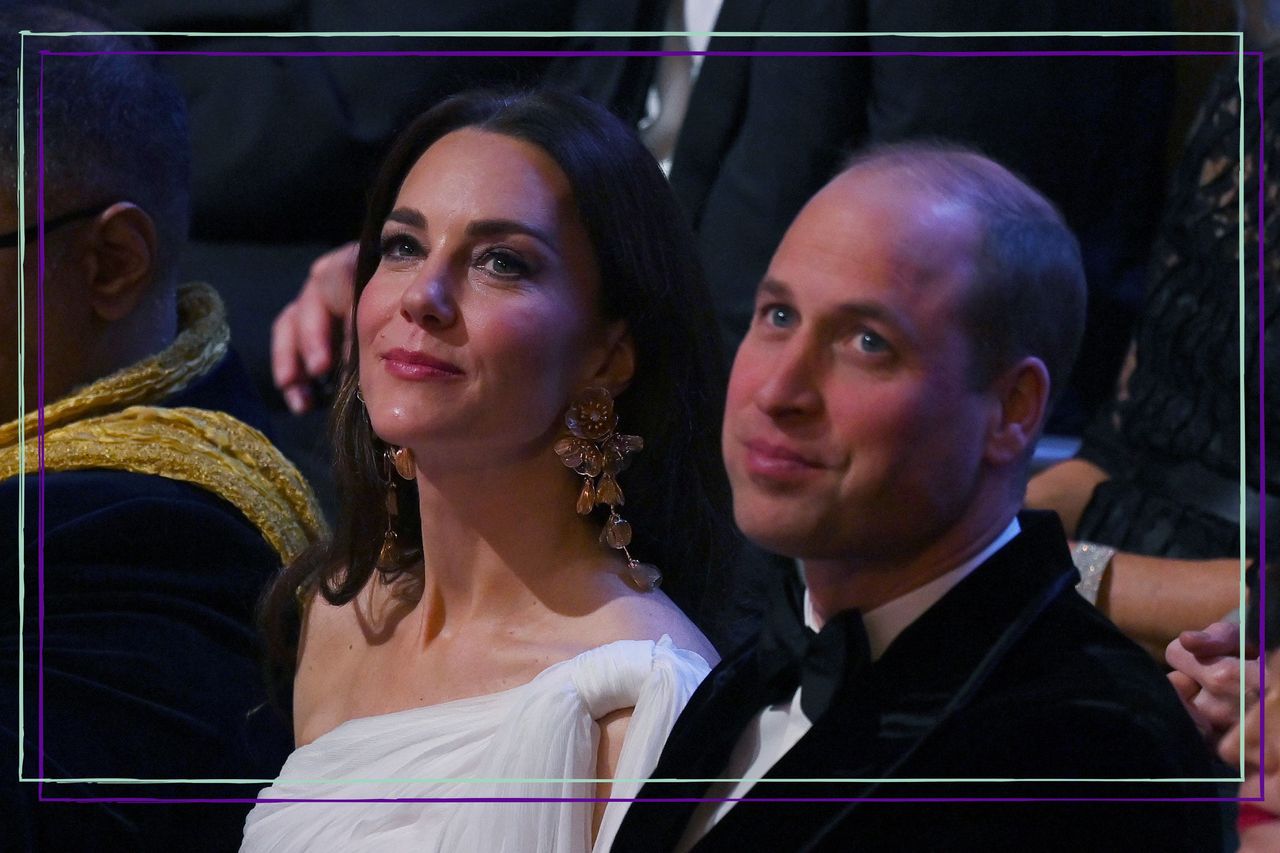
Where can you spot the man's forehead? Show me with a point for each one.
(898, 198)
(865, 223)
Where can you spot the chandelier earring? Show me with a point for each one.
(400, 460)
(598, 454)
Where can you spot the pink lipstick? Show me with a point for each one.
(408, 364)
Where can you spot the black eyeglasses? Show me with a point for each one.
(8, 241)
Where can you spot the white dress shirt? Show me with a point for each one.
(778, 727)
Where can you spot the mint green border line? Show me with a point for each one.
(1244, 105)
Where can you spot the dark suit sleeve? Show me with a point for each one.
(762, 135)
(150, 663)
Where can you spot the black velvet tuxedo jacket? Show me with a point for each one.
(1011, 675)
(151, 665)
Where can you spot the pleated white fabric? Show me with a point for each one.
(524, 742)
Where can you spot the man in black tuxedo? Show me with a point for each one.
(881, 415)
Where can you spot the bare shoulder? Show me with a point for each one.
(334, 647)
(649, 616)
(320, 619)
(328, 636)
(325, 627)
(364, 620)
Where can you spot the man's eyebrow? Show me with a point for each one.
(870, 310)
(773, 287)
(493, 227)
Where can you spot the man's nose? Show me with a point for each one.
(791, 388)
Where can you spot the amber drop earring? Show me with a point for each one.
(596, 452)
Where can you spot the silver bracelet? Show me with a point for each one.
(1092, 561)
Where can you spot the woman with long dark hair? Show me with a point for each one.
(526, 437)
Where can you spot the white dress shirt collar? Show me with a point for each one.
(887, 621)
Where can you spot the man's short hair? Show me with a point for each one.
(1028, 292)
(115, 126)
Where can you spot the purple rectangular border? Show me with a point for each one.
(622, 53)
(40, 240)
(553, 54)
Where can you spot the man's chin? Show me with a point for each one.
(779, 533)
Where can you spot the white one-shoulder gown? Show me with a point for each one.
(530, 741)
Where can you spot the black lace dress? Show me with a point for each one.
(1171, 439)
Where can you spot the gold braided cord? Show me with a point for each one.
(103, 425)
(200, 344)
(208, 449)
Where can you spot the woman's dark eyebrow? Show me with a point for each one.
(407, 216)
(479, 228)
(492, 227)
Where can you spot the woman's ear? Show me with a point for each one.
(1022, 398)
(617, 363)
(121, 258)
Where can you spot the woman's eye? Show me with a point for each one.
(503, 264)
(400, 246)
(778, 316)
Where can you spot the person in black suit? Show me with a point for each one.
(882, 411)
(763, 133)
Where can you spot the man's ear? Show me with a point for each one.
(618, 359)
(1022, 397)
(121, 258)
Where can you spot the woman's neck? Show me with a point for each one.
(503, 543)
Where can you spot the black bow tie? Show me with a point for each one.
(791, 654)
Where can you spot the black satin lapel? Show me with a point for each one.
(827, 751)
(939, 651)
(709, 726)
(769, 826)
(698, 748)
